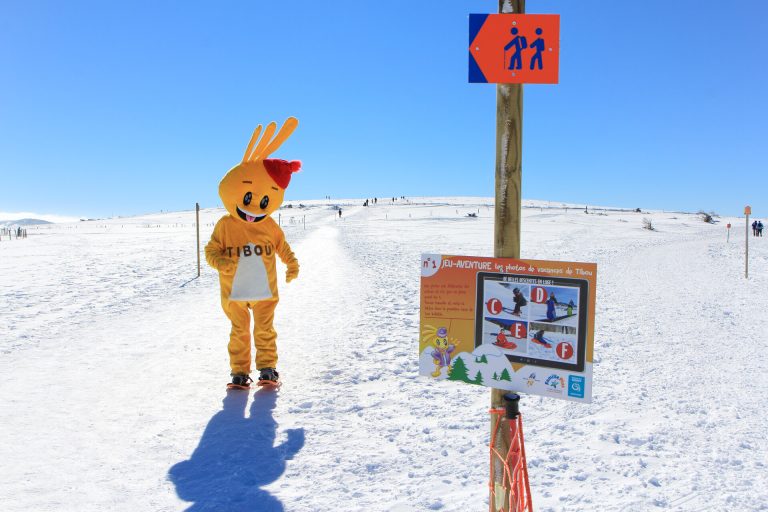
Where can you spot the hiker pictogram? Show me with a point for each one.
(517, 45)
(539, 46)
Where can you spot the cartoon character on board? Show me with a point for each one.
(443, 351)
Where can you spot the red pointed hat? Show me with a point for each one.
(281, 170)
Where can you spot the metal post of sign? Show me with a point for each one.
(508, 209)
(197, 226)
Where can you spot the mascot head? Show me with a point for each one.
(255, 187)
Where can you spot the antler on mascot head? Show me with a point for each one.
(255, 187)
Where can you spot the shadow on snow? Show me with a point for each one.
(236, 457)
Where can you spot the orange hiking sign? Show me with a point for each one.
(514, 48)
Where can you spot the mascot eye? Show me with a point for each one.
(264, 202)
(247, 198)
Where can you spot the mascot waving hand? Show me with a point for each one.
(243, 247)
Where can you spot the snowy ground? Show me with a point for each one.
(113, 363)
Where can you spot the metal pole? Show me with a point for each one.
(197, 226)
(509, 149)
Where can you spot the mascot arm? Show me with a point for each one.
(286, 256)
(214, 253)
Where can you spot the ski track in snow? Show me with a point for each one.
(132, 354)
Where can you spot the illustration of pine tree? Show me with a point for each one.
(495, 376)
(484, 359)
(459, 371)
(479, 378)
(505, 375)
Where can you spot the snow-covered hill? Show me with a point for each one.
(23, 222)
(114, 363)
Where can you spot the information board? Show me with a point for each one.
(519, 325)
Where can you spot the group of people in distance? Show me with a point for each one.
(757, 228)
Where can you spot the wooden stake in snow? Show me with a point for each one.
(197, 227)
(506, 231)
(747, 212)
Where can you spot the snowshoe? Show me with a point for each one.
(269, 378)
(240, 381)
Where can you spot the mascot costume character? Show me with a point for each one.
(243, 247)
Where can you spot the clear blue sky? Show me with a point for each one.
(129, 107)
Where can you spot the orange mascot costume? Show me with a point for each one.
(243, 247)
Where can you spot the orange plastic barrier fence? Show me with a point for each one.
(510, 489)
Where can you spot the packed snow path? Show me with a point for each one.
(114, 376)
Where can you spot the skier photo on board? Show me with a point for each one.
(519, 300)
(243, 247)
(539, 338)
(503, 342)
(551, 302)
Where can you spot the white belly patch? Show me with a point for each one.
(250, 281)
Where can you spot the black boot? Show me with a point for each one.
(241, 379)
(269, 374)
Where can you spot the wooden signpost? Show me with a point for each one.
(747, 213)
(508, 209)
(509, 49)
(197, 227)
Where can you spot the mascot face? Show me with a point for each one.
(255, 188)
(441, 344)
(441, 339)
(249, 193)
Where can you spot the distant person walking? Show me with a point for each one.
(754, 228)
(759, 228)
(339, 212)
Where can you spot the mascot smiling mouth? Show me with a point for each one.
(247, 217)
